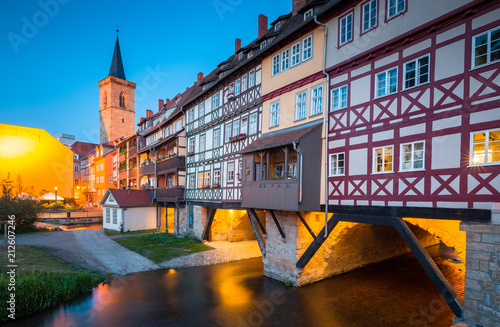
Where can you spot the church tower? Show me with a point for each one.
(117, 101)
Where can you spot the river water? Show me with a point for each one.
(394, 293)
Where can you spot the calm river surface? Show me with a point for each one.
(394, 293)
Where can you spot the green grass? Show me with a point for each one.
(159, 247)
(109, 232)
(42, 281)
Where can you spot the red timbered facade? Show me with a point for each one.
(415, 121)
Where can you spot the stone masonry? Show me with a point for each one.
(482, 276)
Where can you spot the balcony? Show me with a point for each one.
(132, 151)
(122, 175)
(170, 194)
(147, 169)
(132, 173)
(122, 156)
(171, 165)
(273, 194)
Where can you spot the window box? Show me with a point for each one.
(230, 96)
(215, 185)
(238, 137)
(191, 153)
(205, 186)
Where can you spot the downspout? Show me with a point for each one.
(327, 121)
(185, 174)
(300, 169)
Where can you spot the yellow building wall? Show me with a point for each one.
(41, 160)
(309, 67)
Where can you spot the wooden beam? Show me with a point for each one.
(277, 224)
(263, 230)
(208, 224)
(415, 212)
(430, 267)
(316, 244)
(305, 224)
(260, 240)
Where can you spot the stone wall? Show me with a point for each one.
(482, 276)
(349, 246)
(232, 226)
(199, 220)
(182, 228)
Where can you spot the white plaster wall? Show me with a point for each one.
(446, 151)
(139, 218)
(448, 64)
(358, 162)
(110, 225)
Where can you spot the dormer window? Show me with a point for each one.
(277, 26)
(308, 14)
(240, 55)
(263, 44)
(250, 55)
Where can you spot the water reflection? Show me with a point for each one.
(394, 293)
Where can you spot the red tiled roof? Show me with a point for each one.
(127, 198)
(280, 139)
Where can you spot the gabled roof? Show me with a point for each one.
(82, 148)
(279, 139)
(116, 68)
(128, 198)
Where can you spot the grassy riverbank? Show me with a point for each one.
(159, 247)
(41, 281)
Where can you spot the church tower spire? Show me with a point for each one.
(116, 68)
(117, 105)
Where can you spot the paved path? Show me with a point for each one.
(222, 252)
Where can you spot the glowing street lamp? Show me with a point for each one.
(56, 199)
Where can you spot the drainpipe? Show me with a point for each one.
(300, 169)
(327, 121)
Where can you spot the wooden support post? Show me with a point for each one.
(260, 240)
(316, 244)
(277, 224)
(305, 224)
(262, 229)
(208, 225)
(430, 267)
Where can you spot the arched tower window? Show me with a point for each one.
(105, 99)
(122, 100)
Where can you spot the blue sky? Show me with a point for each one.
(54, 52)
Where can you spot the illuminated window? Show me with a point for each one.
(485, 147)
(412, 156)
(200, 180)
(206, 181)
(382, 159)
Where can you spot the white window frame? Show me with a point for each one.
(237, 87)
(384, 163)
(215, 100)
(206, 179)
(285, 59)
(369, 15)
(334, 161)
(191, 115)
(216, 138)
(115, 216)
(412, 156)
(276, 62)
(192, 181)
(346, 28)
(230, 172)
(488, 47)
(387, 85)
(192, 143)
(244, 83)
(308, 14)
(295, 50)
(337, 98)
(307, 48)
(394, 4)
(316, 100)
(244, 125)
(418, 71)
(229, 132)
(277, 26)
(178, 125)
(253, 123)
(263, 44)
(236, 128)
(201, 109)
(216, 176)
(274, 114)
(486, 152)
(203, 142)
(251, 79)
(301, 105)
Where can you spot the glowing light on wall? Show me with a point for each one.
(13, 147)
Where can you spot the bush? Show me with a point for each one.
(25, 212)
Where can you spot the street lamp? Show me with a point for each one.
(56, 199)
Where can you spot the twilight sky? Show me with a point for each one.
(54, 52)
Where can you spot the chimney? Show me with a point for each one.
(296, 5)
(161, 103)
(149, 113)
(237, 45)
(199, 77)
(262, 25)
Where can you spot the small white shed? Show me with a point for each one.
(127, 210)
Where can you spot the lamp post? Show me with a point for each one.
(56, 199)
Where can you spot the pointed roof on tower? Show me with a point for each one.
(116, 68)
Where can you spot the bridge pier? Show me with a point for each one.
(482, 276)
